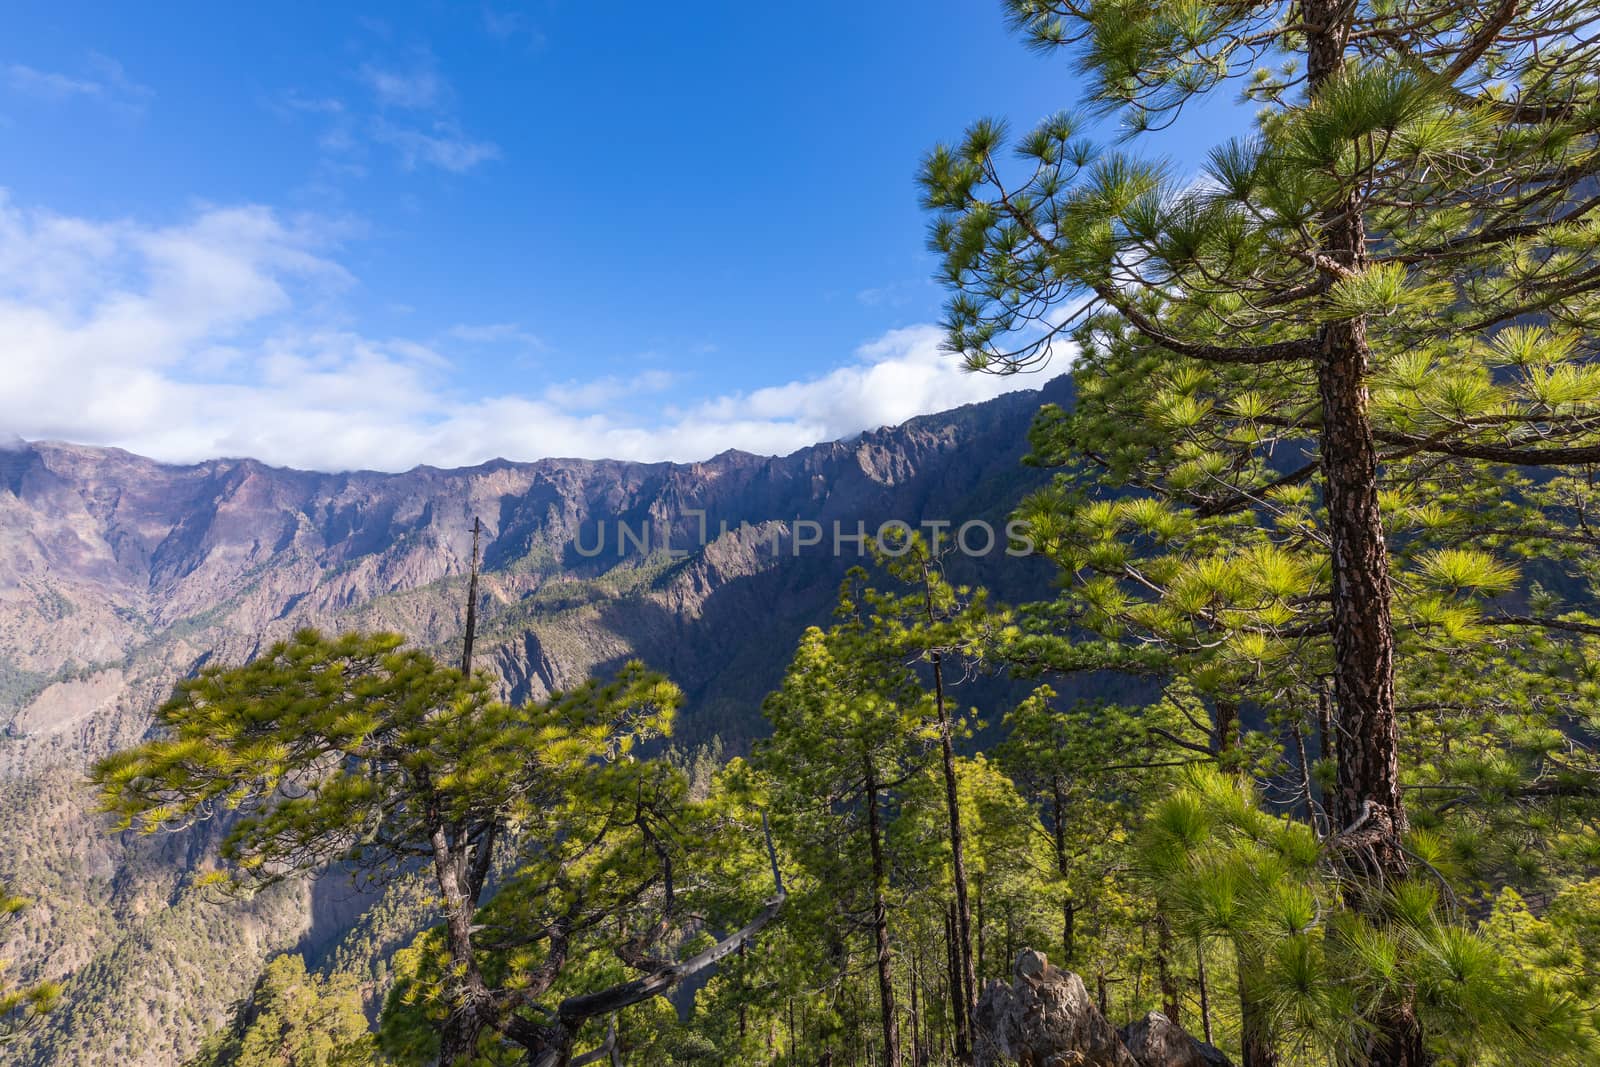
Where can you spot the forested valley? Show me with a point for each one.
(1321, 518)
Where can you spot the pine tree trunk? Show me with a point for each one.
(1227, 726)
(978, 929)
(1256, 1047)
(880, 923)
(958, 856)
(1368, 815)
(1368, 791)
(1256, 1040)
(1171, 1004)
(743, 993)
(469, 996)
(953, 962)
(916, 1020)
(1304, 765)
(1363, 636)
(1058, 832)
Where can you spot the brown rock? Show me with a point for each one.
(1157, 1041)
(1045, 1018)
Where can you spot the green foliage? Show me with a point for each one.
(1355, 361)
(353, 750)
(293, 1017)
(22, 1007)
(1315, 968)
(1335, 438)
(348, 749)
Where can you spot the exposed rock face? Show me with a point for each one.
(1046, 1018)
(115, 569)
(1157, 1041)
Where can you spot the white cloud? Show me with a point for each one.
(48, 84)
(512, 25)
(203, 338)
(310, 105)
(599, 393)
(489, 333)
(106, 82)
(419, 88)
(411, 109)
(895, 294)
(441, 145)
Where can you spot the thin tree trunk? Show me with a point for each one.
(942, 988)
(459, 888)
(1058, 833)
(1171, 1004)
(1256, 1040)
(977, 931)
(470, 630)
(1307, 800)
(1205, 991)
(469, 997)
(1010, 952)
(953, 958)
(1227, 726)
(743, 995)
(916, 1021)
(952, 798)
(880, 923)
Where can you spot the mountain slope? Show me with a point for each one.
(119, 574)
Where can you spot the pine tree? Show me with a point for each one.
(22, 1007)
(1394, 276)
(948, 628)
(293, 1017)
(846, 739)
(357, 752)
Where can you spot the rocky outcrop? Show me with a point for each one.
(1157, 1041)
(1046, 1018)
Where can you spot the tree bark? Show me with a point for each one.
(1227, 726)
(1363, 634)
(470, 1000)
(1171, 1002)
(953, 983)
(880, 922)
(916, 1020)
(1257, 1047)
(1058, 833)
(978, 927)
(1368, 814)
(470, 631)
(952, 798)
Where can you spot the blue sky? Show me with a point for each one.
(336, 235)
